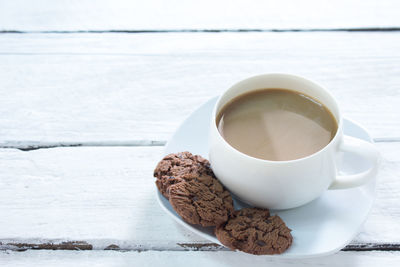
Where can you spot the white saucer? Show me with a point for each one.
(321, 227)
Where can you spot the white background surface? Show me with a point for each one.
(132, 90)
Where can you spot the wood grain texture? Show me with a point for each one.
(194, 258)
(132, 88)
(64, 15)
(102, 197)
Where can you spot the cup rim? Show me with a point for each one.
(333, 140)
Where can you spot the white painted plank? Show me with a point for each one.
(106, 196)
(177, 14)
(126, 87)
(190, 258)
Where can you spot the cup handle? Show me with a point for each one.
(365, 150)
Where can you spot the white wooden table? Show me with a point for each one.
(91, 90)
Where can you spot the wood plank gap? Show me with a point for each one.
(372, 247)
(69, 245)
(33, 145)
(83, 245)
(360, 29)
(387, 140)
(28, 146)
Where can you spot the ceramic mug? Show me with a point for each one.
(292, 183)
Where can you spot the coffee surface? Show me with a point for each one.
(276, 124)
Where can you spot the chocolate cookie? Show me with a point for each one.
(170, 169)
(253, 231)
(165, 182)
(202, 200)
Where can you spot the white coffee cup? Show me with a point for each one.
(292, 183)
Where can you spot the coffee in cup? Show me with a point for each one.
(276, 124)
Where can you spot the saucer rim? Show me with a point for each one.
(213, 239)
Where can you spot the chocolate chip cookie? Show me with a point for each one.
(254, 231)
(172, 167)
(201, 200)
